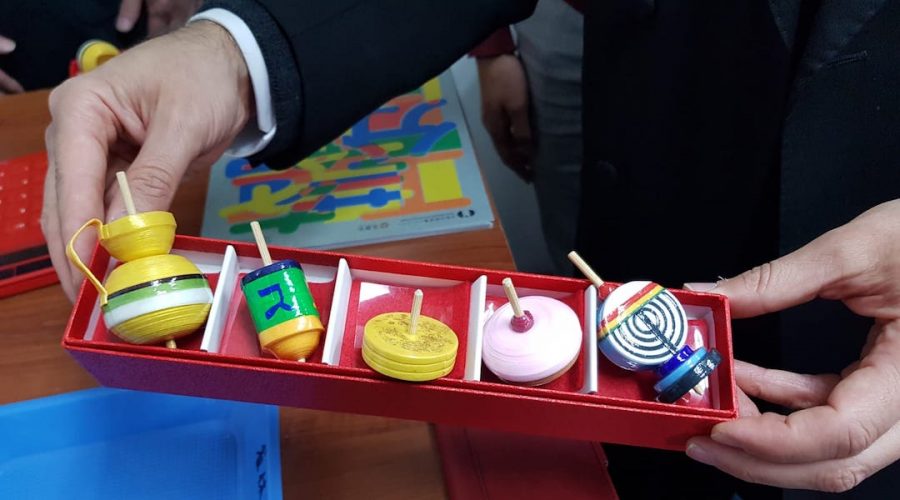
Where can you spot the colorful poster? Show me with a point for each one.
(406, 170)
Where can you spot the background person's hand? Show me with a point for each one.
(504, 110)
(8, 85)
(172, 102)
(163, 16)
(846, 426)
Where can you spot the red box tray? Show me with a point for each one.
(594, 401)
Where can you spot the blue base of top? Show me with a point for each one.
(679, 368)
(697, 370)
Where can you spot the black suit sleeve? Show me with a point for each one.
(331, 62)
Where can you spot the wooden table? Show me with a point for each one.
(324, 455)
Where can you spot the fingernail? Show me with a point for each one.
(698, 453)
(7, 45)
(123, 24)
(699, 287)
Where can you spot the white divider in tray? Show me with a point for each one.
(706, 314)
(590, 347)
(337, 319)
(95, 313)
(215, 324)
(477, 300)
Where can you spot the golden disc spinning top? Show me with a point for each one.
(408, 346)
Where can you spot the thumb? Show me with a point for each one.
(156, 172)
(785, 282)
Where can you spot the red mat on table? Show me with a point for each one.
(24, 259)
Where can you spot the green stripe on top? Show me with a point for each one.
(156, 282)
(152, 291)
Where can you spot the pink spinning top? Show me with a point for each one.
(534, 354)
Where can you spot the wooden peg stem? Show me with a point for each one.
(126, 192)
(171, 344)
(414, 314)
(261, 243)
(513, 298)
(585, 269)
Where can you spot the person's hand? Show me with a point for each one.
(167, 104)
(163, 16)
(8, 85)
(846, 426)
(504, 110)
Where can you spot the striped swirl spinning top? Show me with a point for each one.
(641, 326)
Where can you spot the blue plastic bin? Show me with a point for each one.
(119, 444)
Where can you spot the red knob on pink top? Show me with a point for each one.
(522, 321)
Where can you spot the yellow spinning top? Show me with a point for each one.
(409, 346)
(152, 296)
(93, 53)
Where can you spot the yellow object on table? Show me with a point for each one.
(93, 53)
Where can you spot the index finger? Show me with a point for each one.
(129, 12)
(6, 45)
(858, 411)
(78, 152)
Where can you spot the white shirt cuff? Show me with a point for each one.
(252, 139)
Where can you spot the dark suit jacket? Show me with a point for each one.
(719, 135)
(724, 134)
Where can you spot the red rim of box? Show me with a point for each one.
(705, 417)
